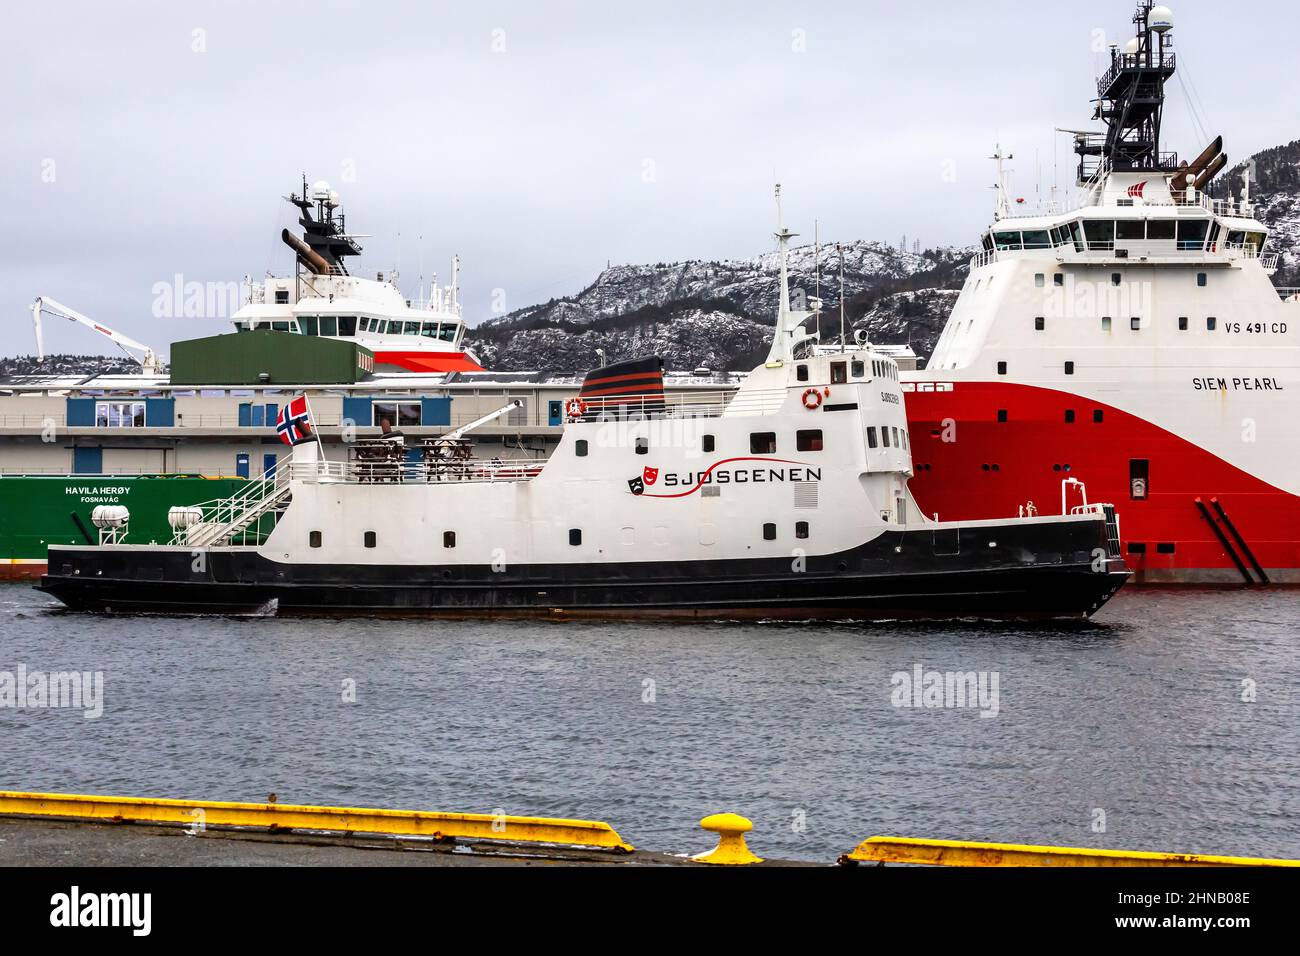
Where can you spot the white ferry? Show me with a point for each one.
(789, 499)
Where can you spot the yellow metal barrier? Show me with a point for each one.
(884, 849)
(279, 816)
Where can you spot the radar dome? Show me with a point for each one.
(1161, 19)
(1131, 46)
(320, 189)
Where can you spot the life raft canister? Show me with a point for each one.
(812, 399)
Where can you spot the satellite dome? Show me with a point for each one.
(320, 189)
(1131, 46)
(1161, 19)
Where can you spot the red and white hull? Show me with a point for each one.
(1204, 520)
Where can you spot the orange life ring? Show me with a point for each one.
(575, 408)
(812, 399)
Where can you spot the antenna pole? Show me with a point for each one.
(844, 341)
(817, 273)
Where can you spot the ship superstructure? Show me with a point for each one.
(322, 298)
(1134, 340)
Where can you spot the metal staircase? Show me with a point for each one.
(235, 519)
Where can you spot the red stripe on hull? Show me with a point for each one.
(988, 469)
(417, 361)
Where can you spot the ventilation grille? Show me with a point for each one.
(805, 494)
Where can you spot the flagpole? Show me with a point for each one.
(311, 417)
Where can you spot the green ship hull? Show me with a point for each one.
(37, 511)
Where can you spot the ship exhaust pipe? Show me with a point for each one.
(1210, 172)
(308, 256)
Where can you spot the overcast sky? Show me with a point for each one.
(541, 140)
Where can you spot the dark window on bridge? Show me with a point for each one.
(706, 443)
(575, 536)
(314, 539)
(1069, 368)
(1165, 547)
(839, 373)
(762, 443)
(808, 439)
(369, 538)
(801, 373)
(1139, 475)
(857, 369)
(449, 539)
(1069, 416)
(1002, 368)
(801, 529)
(769, 531)
(643, 446)
(580, 448)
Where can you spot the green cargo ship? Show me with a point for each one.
(39, 510)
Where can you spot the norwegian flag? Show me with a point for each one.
(294, 425)
(1135, 191)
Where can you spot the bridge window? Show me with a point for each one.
(1130, 229)
(801, 373)
(396, 414)
(429, 330)
(839, 373)
(762, 443)
(447, 332)
(307, 325)
(808, 439)
(1160, 229)
(347, 325)
(1007, 240)
(1100, 234)
(410, 328)
(329, 325)
(1191, 233)
(857, 368)
(1037, 239)
(279, 326)
(769, 531)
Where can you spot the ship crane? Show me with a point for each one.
(148, 359)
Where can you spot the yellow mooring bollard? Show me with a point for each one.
(731, 849)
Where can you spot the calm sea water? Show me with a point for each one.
(1139, 716)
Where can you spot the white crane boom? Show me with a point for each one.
(490, 416)
(148, 360)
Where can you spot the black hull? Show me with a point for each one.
(1019, 572)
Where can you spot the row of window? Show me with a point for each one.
(1134, 323)
(1097, 415)
(1058, 279)
(760, 443)
(899, 435)
(347, 325)
(370, 539)
(1103, 234)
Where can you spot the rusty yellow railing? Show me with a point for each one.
(350, 820)
(887, 849)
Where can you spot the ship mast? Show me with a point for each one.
(790, 332)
